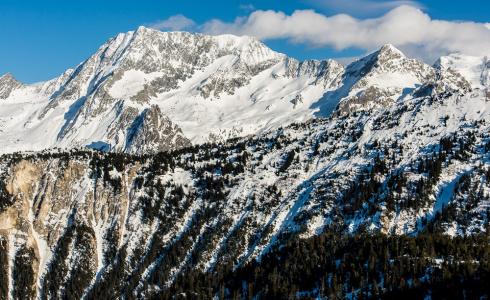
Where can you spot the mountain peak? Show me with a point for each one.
(387, 58)
(381, 77)
(142, 28)
(389, 51)
(173, 34)
(7, 76)
(7, 84)
(155, 49)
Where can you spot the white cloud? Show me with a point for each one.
(247, 7)
(363, 7)
(406, 27)
(174, 23)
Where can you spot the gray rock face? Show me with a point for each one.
(152, 132)
(485, 75)
(8, 84)
(363, 99)
(386, 76)
(326, 72)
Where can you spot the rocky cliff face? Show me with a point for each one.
(153, 132)
(8, 84)
(58, 213)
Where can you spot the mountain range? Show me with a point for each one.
(228, 170)
(150, 91)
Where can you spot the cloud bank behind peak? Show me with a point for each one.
(406, 27)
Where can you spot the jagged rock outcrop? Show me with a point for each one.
(380, 78)
(153, 132)
(8, 84)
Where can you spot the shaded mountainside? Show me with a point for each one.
(409, 181)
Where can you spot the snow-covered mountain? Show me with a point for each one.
(386, 146)
(205, 87)
(405, 151)
(200, 88)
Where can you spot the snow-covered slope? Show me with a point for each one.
(381, 78)
(202, 88)
(473, 68)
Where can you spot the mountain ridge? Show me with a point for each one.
(209, 88)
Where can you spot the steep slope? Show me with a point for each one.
(381, 78)
(107, 225)
(474, 69)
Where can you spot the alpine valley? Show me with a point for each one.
(176, 165)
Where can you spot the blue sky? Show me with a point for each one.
(40, 39)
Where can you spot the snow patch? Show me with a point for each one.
(131, 83)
